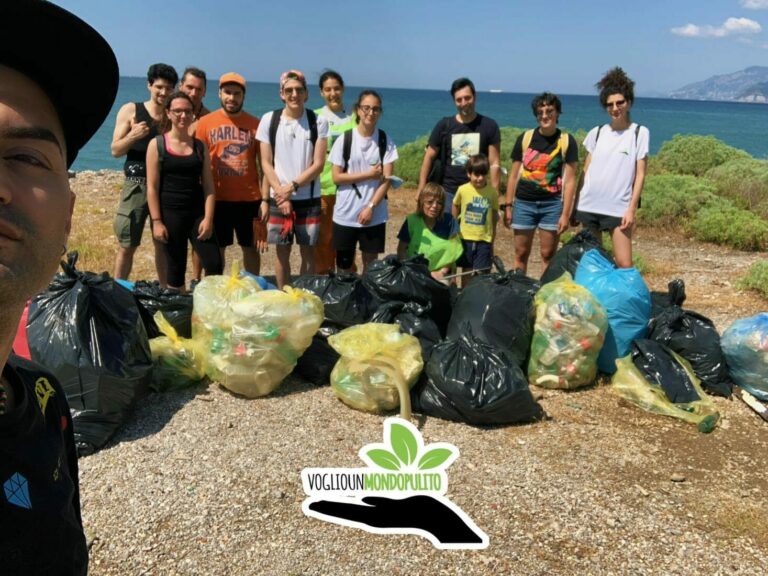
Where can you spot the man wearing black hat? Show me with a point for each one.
(44, 121)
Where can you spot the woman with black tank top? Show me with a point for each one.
(180, 193)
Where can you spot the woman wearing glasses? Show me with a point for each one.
(614, 170)
(542, 181)
(180, 193)
(360, 214)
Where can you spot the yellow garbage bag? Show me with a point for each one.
(378, 366)
(568, 334)
(628, 383)
(269, 330)
(176, 362)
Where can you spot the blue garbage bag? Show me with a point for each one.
(627, 302)
(745, 345)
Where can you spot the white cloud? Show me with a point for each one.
(755, 4)
(731, 27)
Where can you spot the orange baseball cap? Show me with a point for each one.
(232, 78)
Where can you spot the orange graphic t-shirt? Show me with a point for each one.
(233, 148)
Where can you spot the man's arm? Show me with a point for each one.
(494, 159)
(426, 165)
(127, 131)
(569, 195)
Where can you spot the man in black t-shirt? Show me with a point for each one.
(541, 185)
(455, 138)
(48, 111)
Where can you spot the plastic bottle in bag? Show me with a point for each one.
(378, 366)
(568, 334)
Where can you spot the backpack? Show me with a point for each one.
(637, 131)
(564, 141)
(162, 152)
(275, 122)
(437, 171)
(347, 152)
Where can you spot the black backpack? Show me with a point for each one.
(437, 171)
(275, 122)
(347, 152)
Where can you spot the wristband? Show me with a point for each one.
(295, 187)
(371, 205)
(156, 219)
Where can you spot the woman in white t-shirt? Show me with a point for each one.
(360, 214)
(614, 170)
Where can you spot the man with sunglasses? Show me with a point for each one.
(45, 119)
(230, 135)
(293, 143)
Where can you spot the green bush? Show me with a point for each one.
(409, 160)
(756, 278)
(671, 199)
(726, 224)
(745, 182)
(696, 154)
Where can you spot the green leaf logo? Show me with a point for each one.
(433, 458)
(384, 459)
(404, 444)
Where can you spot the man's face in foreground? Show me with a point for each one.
(35, 199)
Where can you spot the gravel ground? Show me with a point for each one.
(202, 482)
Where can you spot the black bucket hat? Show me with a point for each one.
(63, 55)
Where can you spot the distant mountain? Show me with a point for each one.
(748, 85)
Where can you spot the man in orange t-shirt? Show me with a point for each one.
(230, 135)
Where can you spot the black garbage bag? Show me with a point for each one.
(499, 310)
(346, 301)
(409, 280)
(474, 382)
(695, 338)
(659, 367)
(175, 306)
(675, 296)
(413, 319)
(86, 329)
(567, 258)
(317, 362)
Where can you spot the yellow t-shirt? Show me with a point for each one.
(477, 211)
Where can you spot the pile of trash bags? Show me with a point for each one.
(253, 337)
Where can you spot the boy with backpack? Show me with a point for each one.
(293, 142)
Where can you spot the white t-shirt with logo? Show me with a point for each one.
(363, 155)
(293, 151)
(608, 182)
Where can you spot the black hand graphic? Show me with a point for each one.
(419, 512)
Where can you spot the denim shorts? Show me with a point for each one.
(532, 214)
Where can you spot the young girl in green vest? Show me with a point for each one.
(432, 232)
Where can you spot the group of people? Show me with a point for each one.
(200, 176)
(320, 179)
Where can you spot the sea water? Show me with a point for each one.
(409, 114)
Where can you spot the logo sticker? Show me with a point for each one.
(401, 490)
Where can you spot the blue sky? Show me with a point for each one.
(560, 45)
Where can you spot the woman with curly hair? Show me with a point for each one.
(614, 170)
